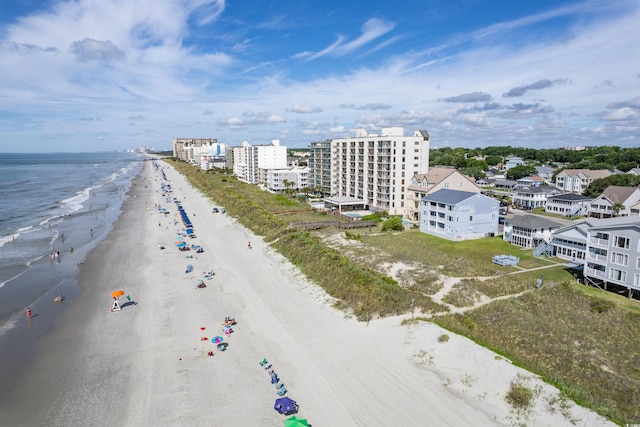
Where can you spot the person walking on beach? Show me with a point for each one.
(249, 245)
(28, 312)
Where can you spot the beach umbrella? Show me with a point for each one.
(222, 346)
(217, 340)
(117, 293)
(296, 422)
(286, 406)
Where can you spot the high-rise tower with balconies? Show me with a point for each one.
(377, 168)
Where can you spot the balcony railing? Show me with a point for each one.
(595, 257)
(594, 273)
(599, 242)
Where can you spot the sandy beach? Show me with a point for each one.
(148, 365)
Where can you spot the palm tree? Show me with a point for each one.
(289, 187)
(616, 208)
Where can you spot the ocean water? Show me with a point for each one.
(50, 203)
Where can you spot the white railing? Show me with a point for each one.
(599, 242)
(594, 272)
(595, 257)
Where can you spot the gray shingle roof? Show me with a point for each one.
(448, 197)
(532, 222)
(570, 197)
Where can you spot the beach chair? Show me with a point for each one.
(282, 391)
(274, 378)
(279, 385)
(268, 368)
(264, 362)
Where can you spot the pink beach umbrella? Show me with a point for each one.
(217, 340)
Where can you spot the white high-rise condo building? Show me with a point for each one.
(250, 160)
(377, 168)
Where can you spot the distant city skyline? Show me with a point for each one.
(104, 75)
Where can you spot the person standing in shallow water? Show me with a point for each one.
(28, 312)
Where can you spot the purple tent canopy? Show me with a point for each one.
(286, 406)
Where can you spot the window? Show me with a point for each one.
(471, 208)
(471, 218)
(636, 280)
(638, 263)
(621, 259)
(446, 185)
(619, 275)
(621, 242)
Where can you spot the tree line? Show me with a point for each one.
(476, 161)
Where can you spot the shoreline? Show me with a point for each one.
(44, 279)
(147, 364)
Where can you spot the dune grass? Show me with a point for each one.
(591, 356)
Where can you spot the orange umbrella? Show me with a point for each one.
(117, 293)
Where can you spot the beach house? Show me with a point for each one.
(532, 197)
(613, 255)
(459, 215)
(615, 200)
(568, 204)
(577, 180)
(437, 178)
(528, 231)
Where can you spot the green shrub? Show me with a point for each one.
(519, 396)
(443, 338)
(601, 305)
(469, 323)
(393, 224)
(352, 236)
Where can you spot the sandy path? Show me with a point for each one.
(146, 365)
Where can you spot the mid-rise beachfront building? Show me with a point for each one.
(196, 150)
(282, 179)
(376, 168)
(320, 166)
(251, 162)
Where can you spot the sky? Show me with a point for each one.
(94, 75)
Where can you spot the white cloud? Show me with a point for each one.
(371, 30)
(304, 109)
(625, 113)
(141, 57)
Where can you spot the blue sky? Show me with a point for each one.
(89, 75)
